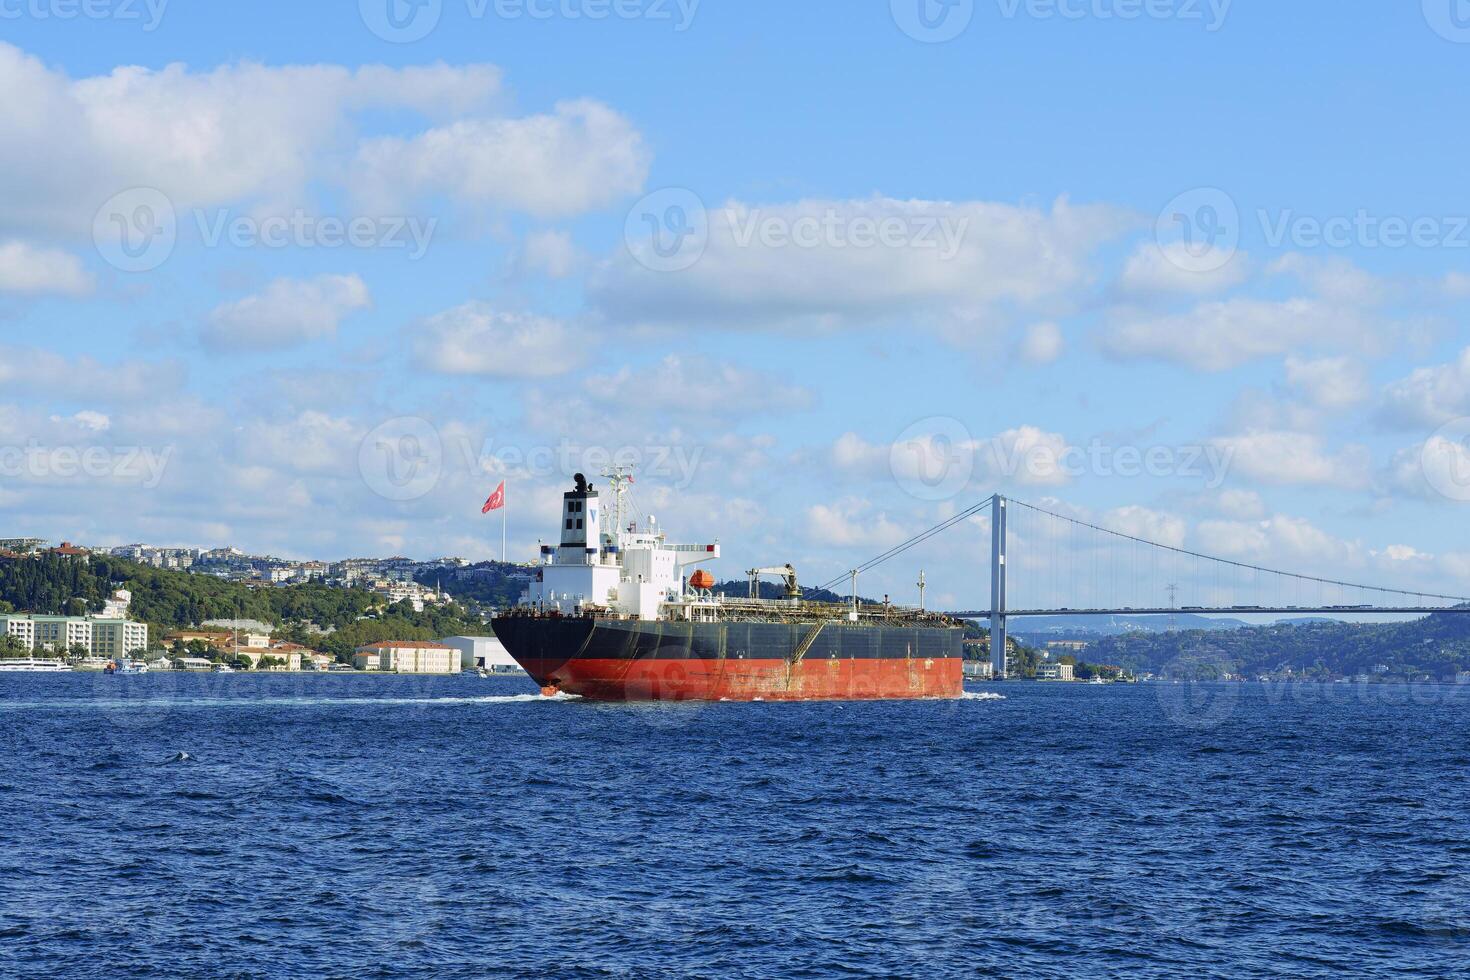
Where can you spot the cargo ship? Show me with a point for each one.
(616, 612)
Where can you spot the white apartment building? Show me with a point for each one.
(407, 657)
(101, 637)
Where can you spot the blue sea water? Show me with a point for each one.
(292, 826)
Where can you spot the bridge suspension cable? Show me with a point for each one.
(1050, 547)
(917, 539)
(1227, 562)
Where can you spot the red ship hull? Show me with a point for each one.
(751, 680)
(733, 662)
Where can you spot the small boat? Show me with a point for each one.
(34, 665)
(126, 667)
(223, 669)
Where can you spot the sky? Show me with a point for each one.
(311, 279)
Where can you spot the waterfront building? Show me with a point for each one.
(289, 659)
(407, 657)
(99, 636)
(481, 653)
(1055, 672)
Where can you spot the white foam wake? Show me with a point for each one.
(118, 704)
(982, 696)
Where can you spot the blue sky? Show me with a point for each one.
(777, 392)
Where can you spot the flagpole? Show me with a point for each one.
(502, 534)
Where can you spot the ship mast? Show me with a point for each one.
(618, 478)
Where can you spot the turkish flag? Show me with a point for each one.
(496, 501)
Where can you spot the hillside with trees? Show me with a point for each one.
(329, 619)
(1436, 647)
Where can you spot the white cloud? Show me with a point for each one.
(848, 524)
(475, 339)
(549, 253)
(695, 386)
(1431, 395)
(1438, 469)
(1240, 504)
(1278, 538)
(310, 443)
(1225, 334)
(1026, 455)
(1334, 279)
(1333, 383)
(252, 134)
(286, 313)
(1286, 458)
(1401, 553)
(48, 373)
(581, 157)
(948, 265)
(1150, 525)
(1042, 344)
(87, 419)
(25, 268)
(1153, 270)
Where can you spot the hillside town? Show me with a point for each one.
(113, 639)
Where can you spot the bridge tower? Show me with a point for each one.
(998, 587)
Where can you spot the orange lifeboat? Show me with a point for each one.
(701, 580)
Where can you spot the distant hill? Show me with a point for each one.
(1092, 627)
(1435, 647)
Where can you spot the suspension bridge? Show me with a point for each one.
(1047, 563)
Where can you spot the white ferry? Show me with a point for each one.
(34, 665)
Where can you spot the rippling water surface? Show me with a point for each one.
(236, 825)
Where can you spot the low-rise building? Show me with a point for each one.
(284, 659)
(481, 653)
(100, 637)
(1055, 672)
(407, 657)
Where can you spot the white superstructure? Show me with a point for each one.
(605, 561)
